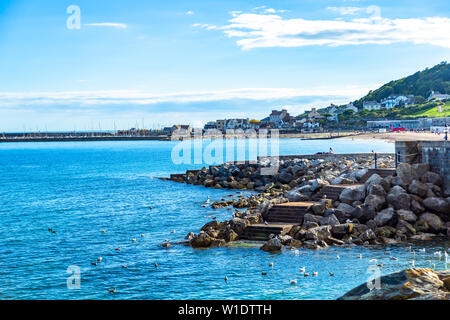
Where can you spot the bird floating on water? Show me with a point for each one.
(264, 273)
(306, 274)
(293, 282)
(373, 260)
(379, 265)
(226, 279)
(315, 273)
(438, 254)
(103, 231)
(207, 201)
(94, 263)
(173, 231)
(156, 265)
(124, 266)
(118, 248)
(388, 253)
(413, 263)
(394, 258)
(114, 290)
(331, 274)
(99, 259)
(359, 256)
(422, 250)
(303, 269)
(338, 257)
(143, 235)
(134, 239)
(271, 264)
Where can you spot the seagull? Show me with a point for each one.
(112, 290)
(226, 279)
(394, 258)
(303, 269)
(207, 201)
(338, 257)
(99, 259)
(266, 223)
(134, 239)
(204, 205)
(331, 274)
(103, 231)
(373, 260)
(413, 263)
(306, 274)
(150, 208)
(438, 254)
(359, 256)
(422, 250)
(271, 264)
(142, 235)
(293, 282)
(94, 263)
(379, 265)
(173, 231)
(388, 253)
(124, 266)
(118, 248)
(156, 265)
(264, 273)
(315, 273)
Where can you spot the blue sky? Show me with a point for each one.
(189, 62)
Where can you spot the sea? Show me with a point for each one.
(99, 196)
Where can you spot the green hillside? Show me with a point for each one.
(420, 84)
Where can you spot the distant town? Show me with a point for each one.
(333, 118)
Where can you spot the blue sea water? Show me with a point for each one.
(81, 188)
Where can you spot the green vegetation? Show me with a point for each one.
(420, 84)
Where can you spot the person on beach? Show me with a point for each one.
(331, 150)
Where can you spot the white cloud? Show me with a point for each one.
(258, 30)
(90, 98)
(345, 10)
(189, 13)
(108, 24)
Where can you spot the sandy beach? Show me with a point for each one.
(398, 136)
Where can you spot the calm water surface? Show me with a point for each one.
(81, 188)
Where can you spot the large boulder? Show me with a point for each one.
(433, 221)
(285, 177)
(351, 194)
(330, 220)
(204, 240)
(238, 225)
(405, 228)
(437, 205)
(376, 189)
(364, 213)
(398, 198)
(320, 207)
(367, 235)
(375, 201)
(405, 173)
(308, 217)
(415, 284)
(418, 188)
(318, 183)
(348, 209)
(386, 217)
(341, 230)
(406, 215)
(375, 179)
(272, 245)
(431, 177)
(318, 233)
(339, 214)
(296, 196)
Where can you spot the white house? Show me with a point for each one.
(350, 106)
(438, 96)
(395, 100)
(371, 105)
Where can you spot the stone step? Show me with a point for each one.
(291, 212)
(261, 232)
(331, 192)
(382, 172)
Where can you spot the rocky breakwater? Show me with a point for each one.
(411, 284)
(407, 205)
(291, 173)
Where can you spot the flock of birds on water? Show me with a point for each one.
(437, 254)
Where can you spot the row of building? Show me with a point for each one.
(400, 100)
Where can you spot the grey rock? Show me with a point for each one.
(351, 194)
(418, 188)
(406, 215)
(438, 205)
(272, 245)
(434, 222)
(386, 217)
